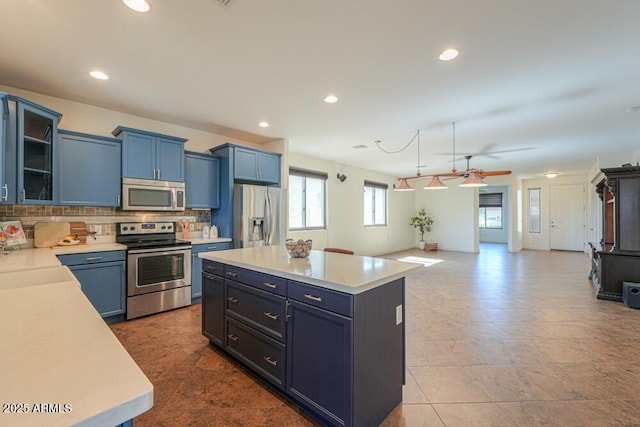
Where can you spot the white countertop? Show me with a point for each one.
(351, 274)
(28, 259)
(57, 350)
(81, 249)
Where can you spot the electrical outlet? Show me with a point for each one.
(398, 314)
(97, 229)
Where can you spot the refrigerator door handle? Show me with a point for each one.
(268, 219)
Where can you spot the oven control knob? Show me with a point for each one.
(133, 227)
(163, 227)
(125, 228)
(169, 227)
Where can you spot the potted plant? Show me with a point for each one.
(423, 223)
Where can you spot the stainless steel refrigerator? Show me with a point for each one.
(258, 216)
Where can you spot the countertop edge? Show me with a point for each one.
(352, 290)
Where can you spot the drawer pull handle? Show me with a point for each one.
(313, 297)
(233, 300)
(93, 258)
(268, 359)
(270, 285)
(232, 274)
(233, 337)
(212, 247)
(271, 315)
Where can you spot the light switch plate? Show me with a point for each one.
(398, 314)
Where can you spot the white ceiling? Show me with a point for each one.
(547, 83)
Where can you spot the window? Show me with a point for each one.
(375, 203)
(534, 210)
(491, 210)
(306, 199)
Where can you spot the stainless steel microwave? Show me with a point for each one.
(150, 195)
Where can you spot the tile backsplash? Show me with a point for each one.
(97, 218)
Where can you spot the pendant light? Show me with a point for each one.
(403, 185)
(435, 184)
(473, 180)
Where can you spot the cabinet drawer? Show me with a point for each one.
(92, 257)
(328, 299)
(261, 310)
(207, 247)
(262, 281)
(212, 267)
(263, 354)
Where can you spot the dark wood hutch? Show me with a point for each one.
(616, 258)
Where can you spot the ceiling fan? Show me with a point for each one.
(473, 177)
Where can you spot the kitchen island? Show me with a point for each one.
(61, 364)
(327, 331)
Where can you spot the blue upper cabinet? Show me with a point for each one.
(148, 155)
(256, 166)
(88, 169)
(34, 129)
(7, 156)
(202, 180)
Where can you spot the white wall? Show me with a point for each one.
(455, 216)
(498, 235)
(345, 211)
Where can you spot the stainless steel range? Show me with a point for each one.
(158, 267)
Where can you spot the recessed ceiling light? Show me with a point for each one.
(448, 54)
(263, 124)
(331, 99)
(137, 5)
(551, 174)
(98, 75)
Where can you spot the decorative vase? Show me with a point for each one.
(421, 244)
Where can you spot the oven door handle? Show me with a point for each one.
(156, 250)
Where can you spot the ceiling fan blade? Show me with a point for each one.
(493, 173)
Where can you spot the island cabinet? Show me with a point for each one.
(149, 155)
(616, 258)
(337, 352)
(34, 131)
(202, 180)
(102, 279)
(88, 169)
(196, 266)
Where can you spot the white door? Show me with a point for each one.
(567, 217)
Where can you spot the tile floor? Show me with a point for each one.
(493, 339)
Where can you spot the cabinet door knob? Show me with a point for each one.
(232, 274)
(233, 300)
(271, 315)
(313, 297)
(269, 360)
(233, 337)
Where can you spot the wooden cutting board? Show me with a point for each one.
(46, 234)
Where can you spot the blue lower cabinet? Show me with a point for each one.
(196, 266)
(319, 365)
(213, 307)
(102, 279)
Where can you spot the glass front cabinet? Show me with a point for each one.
(34, 128)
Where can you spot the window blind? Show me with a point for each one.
(308, 174)
(491, 200)
(376, 185)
